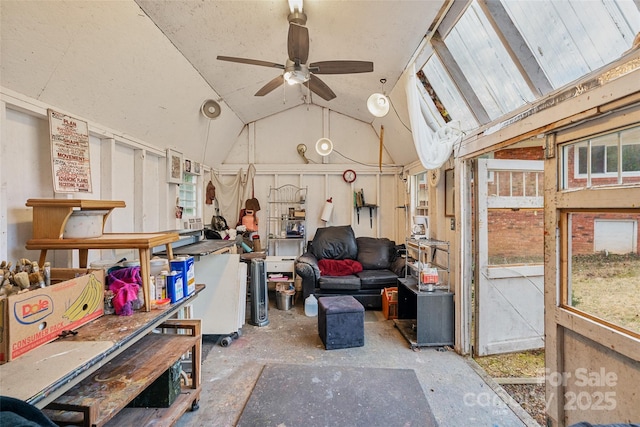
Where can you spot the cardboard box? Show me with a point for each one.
(31, 319)
(3, 333)
(390, 303)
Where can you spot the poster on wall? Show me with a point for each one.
(69, 154)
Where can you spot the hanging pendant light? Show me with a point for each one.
(378, 103)
(324, 146)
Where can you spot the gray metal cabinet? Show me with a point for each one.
(424, 318)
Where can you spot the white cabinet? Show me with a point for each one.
(280, 269)
(286, 220)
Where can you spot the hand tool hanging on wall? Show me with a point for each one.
(358, 200)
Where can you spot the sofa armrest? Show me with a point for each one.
(307, 268)
(398, 266)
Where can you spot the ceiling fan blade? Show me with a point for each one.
(298, 43)
(251, 62)
(341, 67)
(276, 82)
(320, 88)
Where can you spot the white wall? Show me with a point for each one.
(120, 170)
(270, 145)
(134, 171)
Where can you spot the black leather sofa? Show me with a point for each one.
(381, 265)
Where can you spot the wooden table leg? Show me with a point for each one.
(144, 275)
(83, 255)
(169, 251)
(43, 257)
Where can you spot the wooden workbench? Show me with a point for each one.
(66, 371)
(50, 217)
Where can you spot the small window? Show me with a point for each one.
(189, 195)
(421, 201)
(597, 160)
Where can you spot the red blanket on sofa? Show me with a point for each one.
(338, 267)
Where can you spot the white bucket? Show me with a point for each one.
(84, 224)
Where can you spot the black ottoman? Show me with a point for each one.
(340, 322)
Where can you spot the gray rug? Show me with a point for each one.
(298, 395)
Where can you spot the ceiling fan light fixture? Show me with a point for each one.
(295, 5)
(295, 77)
(324, 146)
(378, 105)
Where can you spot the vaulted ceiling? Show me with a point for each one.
(384, 32)
(144, 67)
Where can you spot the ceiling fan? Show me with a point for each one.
(296, 70)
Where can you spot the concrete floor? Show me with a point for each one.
(459, 395)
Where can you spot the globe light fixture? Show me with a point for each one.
(378, 104)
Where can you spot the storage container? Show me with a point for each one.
(31, 319)
(390, 303)
(162, 392)
(185, 265)
(84, 224)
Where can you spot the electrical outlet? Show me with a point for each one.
(453, 223)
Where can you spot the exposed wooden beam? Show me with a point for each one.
(516, 47)
(459, 79)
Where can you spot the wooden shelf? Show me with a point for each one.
(157, 417)
(50, 215)
(103, 395)
(74, 358)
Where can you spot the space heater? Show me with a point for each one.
(259, 294)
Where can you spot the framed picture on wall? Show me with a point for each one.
(449, 193)
(174, 166)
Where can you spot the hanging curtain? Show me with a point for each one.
(231, 194)
(433, 146)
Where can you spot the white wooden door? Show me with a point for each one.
(509, 304)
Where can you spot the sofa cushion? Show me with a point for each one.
(339, 283)
(377, 279)
(375, 253)
(337, 242)
(339, 267)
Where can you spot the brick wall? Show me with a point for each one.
(527, 153)
(582, 239)
(516, 237)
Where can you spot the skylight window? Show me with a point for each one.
(487, 66)
(446, 91)
(572, 38)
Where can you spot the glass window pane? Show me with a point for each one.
(612, 158)
(607, 152)
(582, 159)
(631, 158)
(571, 38)
(448, 94)
(421, 202)
(486, 64)
(597, 158)
(604, 279)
